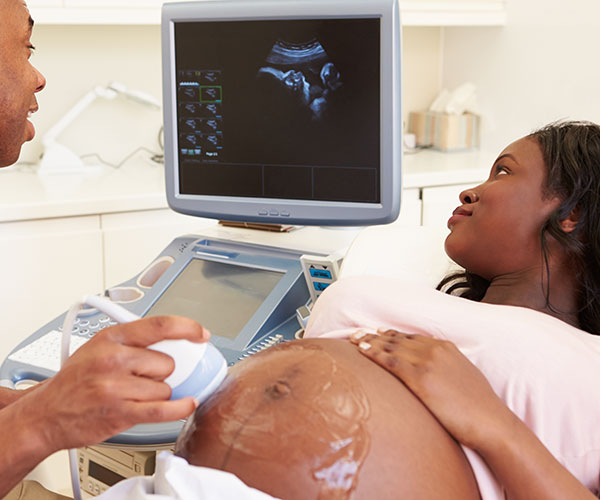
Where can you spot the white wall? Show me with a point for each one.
(75, 59)
(542, 66)
(421, 68)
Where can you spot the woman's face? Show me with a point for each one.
(496, 229)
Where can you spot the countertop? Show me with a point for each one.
(140, 185)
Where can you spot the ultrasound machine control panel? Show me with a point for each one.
(246, 295)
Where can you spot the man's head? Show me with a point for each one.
(19, 80)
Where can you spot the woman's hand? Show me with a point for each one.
(461, 398)
(453, 389)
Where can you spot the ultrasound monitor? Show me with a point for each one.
(283, 111)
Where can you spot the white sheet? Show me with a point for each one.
(175, 479)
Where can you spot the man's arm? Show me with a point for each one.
(110, 384)
(22, 444)
(7, 396)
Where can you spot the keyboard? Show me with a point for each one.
(45, 351)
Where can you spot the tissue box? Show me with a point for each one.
(444, 131)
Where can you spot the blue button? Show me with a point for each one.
(319, 287)
(274, 213)
(320, 273)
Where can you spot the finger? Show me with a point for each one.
(390, 332)
(132, 388)
(148, 331)
(162, 411)
(387, 331)
(390, 356)
(146, 362)
(356, 337)
(413, 337)
(387, 344)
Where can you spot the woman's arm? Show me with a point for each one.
(461, 398)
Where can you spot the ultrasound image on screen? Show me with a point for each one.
(305, 72)
(222, 297)
(280, 109)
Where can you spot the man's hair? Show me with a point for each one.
(571, 152)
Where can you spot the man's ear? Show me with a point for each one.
(570, 223)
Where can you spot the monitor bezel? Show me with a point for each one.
(286, 211)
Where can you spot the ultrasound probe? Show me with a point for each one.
(199, 367)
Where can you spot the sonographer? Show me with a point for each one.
(111, 383)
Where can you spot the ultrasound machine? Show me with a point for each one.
(275, 111)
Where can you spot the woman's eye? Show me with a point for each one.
(500, 170)
(31, 49)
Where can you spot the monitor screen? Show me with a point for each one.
(281, 117)
(204, 288)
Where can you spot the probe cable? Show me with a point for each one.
(115, 312)
(64, 355)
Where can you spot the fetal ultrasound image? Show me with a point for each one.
(304, 71)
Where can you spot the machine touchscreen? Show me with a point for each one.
(204, 289)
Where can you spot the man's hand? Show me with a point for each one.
(110, 384)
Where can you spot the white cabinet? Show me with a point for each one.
(45, 266)
(453, 13)
(32, 4)
(48, 264)
(113, 4)
(132, 240)
(413, 12)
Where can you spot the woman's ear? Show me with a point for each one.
(570, 223)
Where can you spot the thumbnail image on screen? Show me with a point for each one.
(279, 109)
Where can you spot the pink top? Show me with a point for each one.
(547, 372)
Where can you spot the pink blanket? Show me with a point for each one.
(547, 372)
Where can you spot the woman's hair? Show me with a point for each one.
(571, 152)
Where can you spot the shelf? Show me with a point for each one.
(431, 168)
(472, 13)
(139, 186)
(413, 13)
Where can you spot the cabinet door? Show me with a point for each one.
(111, 3)
(132, 240)
(44, 3)
(439, 202)
(45, 266)
(115, 4)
